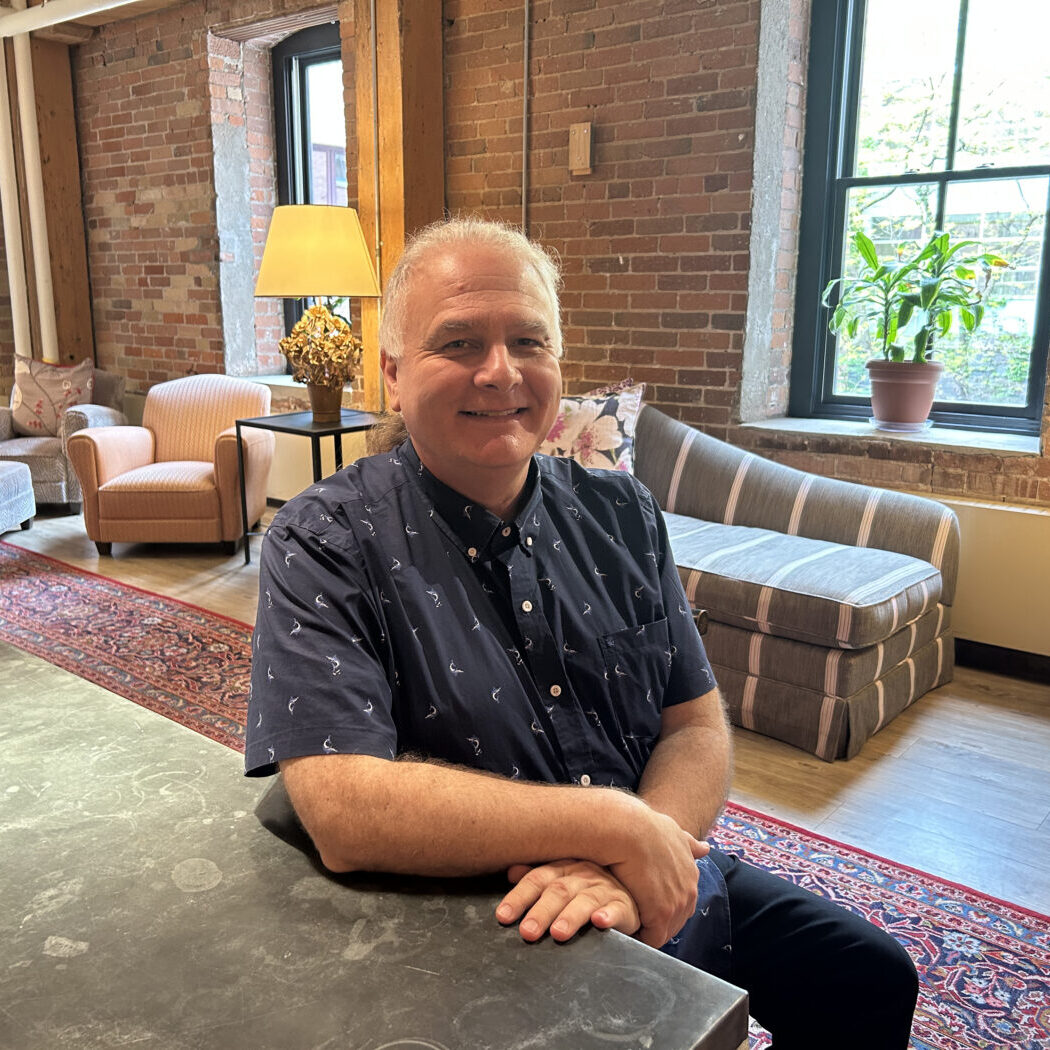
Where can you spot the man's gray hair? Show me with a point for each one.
(449, 233)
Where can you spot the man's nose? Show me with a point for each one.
(498, 368)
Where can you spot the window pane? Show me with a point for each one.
(1004, 107)
(327, 146)
(892, 216)
(990, 365)
(906, 86)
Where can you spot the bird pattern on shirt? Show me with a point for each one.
(535, 662)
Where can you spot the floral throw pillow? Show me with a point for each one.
(597, 428)
(43, 392)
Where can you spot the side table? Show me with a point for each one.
(302, 423)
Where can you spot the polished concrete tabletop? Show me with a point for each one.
(142, 903)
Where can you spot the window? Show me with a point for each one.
(310, 122)
(924, 117)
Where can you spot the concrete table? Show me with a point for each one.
(142, 903)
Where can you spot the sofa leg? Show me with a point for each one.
(229, 546)
(27, 524)
(75, 508)
(105, 549)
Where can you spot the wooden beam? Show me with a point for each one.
(66, 33)
(398, 90)
(60, 169)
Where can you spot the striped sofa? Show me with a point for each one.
(828, 603)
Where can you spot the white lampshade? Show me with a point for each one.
(315, 250)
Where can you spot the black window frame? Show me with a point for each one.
(291, 60)
(832, 102)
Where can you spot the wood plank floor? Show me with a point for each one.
(958, 785)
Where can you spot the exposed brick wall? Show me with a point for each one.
(148, 92)
(915, 467)
(654, 243)
(145, 143)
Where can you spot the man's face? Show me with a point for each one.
(478, 382)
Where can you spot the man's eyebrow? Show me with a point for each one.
(455, 326)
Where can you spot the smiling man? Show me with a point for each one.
(470, 658)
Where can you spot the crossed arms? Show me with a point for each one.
(575, 854)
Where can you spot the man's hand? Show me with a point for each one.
(563, 896)
(659, 871)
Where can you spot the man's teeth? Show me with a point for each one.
(501, 412)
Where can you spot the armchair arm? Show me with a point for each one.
(258, 455)
(79, 417)
(100, 454)
(7, 428)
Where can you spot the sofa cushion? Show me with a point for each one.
(42, 393)
(793, 587)
(834, 671)
(597, 428)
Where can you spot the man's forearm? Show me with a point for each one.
(427, 818)
(687, 775)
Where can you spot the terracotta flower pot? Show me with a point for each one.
(326, 402)
(902, 393)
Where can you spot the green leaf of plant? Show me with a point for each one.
(968, 319)
(896, 352)
(866, 247)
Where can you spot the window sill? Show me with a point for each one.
(940, 438)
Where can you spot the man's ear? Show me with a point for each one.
(389, 368)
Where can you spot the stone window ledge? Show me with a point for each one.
(857, 434)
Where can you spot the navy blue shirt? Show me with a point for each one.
(395, 616)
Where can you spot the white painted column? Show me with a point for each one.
(9, 204)
(45, 291)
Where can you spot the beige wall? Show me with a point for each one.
(1003, 596)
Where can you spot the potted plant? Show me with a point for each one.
(937, 283)
(324, 353)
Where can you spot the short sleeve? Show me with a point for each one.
(691, 674)
(319, 683)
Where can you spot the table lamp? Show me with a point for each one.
(318, 251)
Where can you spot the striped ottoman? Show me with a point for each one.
(17, 505)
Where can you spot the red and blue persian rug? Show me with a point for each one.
(984, 964)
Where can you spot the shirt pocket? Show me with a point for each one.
(637, 668)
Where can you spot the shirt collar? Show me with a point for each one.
(480, 532)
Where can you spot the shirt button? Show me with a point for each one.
(472, 551)
(555, 690)
(526, 606)
(506, 531)
(528, 541)
(585, 780)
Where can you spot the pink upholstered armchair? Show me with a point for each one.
(175, 478)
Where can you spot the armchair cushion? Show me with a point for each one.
(174, 489)
(43, 392)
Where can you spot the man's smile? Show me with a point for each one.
(494, 413)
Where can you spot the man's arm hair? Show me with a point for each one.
(688, 773)
(432, 818)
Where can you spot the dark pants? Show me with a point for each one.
(817, 976)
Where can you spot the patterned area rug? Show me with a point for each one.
(984, 965)
(186, 663)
